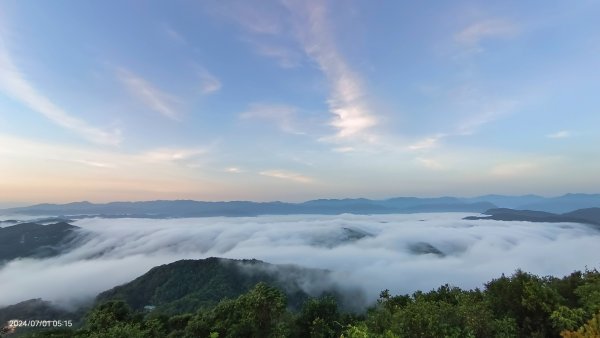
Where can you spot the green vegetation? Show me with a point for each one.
(33, 240)
(35, 309)
(522, 305)
(188, 285)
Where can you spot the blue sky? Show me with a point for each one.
(293, 100)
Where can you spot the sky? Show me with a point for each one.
(293, 100)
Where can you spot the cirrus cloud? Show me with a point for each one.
(14, 83)
(287, 175)
(152, 97)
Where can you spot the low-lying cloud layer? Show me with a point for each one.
(402, 253)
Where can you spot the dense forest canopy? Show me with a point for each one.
(520, 305)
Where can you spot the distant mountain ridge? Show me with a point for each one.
(559, 204)
(190, 208)
(585, 216)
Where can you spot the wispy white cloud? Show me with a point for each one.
(471, 124)
(265, 28)
(209, 83)
(42, 151)
(173, 34)
(310, 24)
(514, 169)
(560, 134)
(347, 97)
(281, 115)
(172, 154)
(465, 127)
(92, 157)
(477, 107)
(96, 164)
(286, 57)
(482, 110)
(429, 163)
(255, 17)
(474, 33)
(33, 170)
(29, 148)
(234, 170)
(344, 149)
(14, 83)
(287, 175)
(426, 143)
(149, 95)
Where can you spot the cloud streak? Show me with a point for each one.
(286, 57)
(560, 134)
(478, 31)
(149, 95)
(173, 35)
(514, 169)
(429, 163)
(287, 175)
(87, 172)
(347, 97)
(310, 24)
(172, 154)
(209, 83)
(95, 164)
(426, 143)
(281, 115)
(234, 170)
(14, 83)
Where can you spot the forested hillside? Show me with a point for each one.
(520, 305)
(34, 240)
(188, 285)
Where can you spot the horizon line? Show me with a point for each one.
(30, 204)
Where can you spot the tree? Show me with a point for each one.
(253, 314)
(589, 330)
(528, 299)
(319, 317)
(565, 318)
(107, 315)
(261, 308)
(588, 292)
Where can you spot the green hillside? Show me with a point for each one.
(520, 305)
(188, 285)
(33, 240)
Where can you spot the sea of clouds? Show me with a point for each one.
(115, 251)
